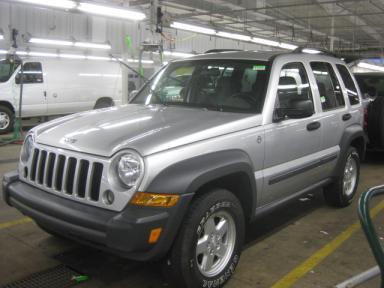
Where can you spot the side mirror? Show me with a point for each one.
(298, 109)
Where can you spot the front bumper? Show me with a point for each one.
(124, 233)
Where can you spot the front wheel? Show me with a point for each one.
(7, 119)
(208, 247)
(341, 192)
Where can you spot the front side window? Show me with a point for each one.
(293, 86)
(33, 73)
(6, 69)
(331, 96)
(232, 86)
(353, 96)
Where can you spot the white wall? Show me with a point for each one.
(50, 23)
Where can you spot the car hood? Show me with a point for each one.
(146, 129)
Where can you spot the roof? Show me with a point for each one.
(239, 55)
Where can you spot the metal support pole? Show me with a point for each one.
(360, 278)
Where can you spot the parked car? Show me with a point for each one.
(177, 173)
(57, 86)
(372, 88)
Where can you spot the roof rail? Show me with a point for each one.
(222, 50)
(310, 50)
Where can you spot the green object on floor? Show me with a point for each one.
(80, 278)
(16, 134)
(369, 228)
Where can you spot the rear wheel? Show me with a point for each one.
(208, 247)
(7, 119)
(341, 192)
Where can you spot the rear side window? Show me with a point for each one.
(349, 84)
(331, 96)
(33, 73)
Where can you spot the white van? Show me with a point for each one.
(54, 86)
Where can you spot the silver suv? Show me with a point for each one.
(207, 145)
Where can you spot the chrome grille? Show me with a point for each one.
(70, 175)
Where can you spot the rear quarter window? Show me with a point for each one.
(353, 95)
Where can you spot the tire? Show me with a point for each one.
(376, 123)
(341, 192)
(103, 103)
(184, 266)
(7, 120)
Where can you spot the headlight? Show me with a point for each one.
(130, 168)
(26, 151)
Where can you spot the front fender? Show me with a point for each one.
(189, 175)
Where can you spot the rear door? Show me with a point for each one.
(34, 101)
(335, 114)
(292, 145)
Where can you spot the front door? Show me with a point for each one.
(34, 101)
(292, 146)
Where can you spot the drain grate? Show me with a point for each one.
(59, 277)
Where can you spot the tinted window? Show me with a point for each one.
(349, 84)
(235, 86)
(33, 73)
(293, 86)
(6, 69)
(331, 96)
(371, 85)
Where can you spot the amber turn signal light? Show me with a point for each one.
(154, 235)
(154, 199)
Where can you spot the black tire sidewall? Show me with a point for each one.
(11, 117)
(216, 201)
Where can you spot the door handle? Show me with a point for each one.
(346, 117)
(313, 126)
(54, 95)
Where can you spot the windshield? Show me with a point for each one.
(234, 86)
(6, 70)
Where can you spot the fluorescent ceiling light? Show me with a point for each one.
(265, 41)
(92, 45)
(1, 37)
(70, 43)
(192, 28)
(311, 51)
(234, 36)
(42, 54)
(370, 66)
(287, 46)
(66, 4)
(178, 54)
(51, 42)
(74, 56)
(109, 11)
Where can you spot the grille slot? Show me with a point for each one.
(70, 175)
(50, 169)
(71, 169)
(82, 180)
(41, 166)
(96, 180)
(60, 172)
(34, 164)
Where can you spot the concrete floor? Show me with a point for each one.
(275, 244)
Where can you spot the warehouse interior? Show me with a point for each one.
(65, 59)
